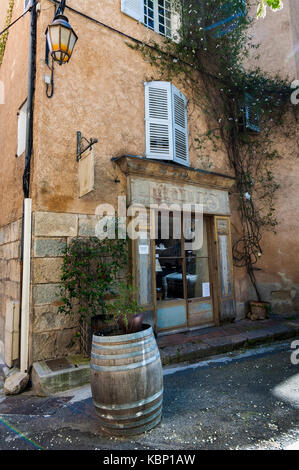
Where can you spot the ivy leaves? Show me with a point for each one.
(4, 37)
(89, 272)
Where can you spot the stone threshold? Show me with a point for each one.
(198, 344)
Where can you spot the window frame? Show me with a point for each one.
(184, 258)
(156, 27)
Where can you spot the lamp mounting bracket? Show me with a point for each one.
(61, 8)
(80, 149)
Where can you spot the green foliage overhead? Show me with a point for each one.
(4, 37)
(275, 5)
(209, 60)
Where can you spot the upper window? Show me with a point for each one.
(157, 16)
(27, 4)
(250, 116)
(22, 124)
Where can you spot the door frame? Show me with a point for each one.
(212, 280)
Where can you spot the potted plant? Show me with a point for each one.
(125, 310)
(126, 370)
(89, 272)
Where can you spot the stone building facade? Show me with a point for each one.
(101, 94)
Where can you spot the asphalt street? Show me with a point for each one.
(241, 401)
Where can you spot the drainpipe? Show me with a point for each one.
(27, 208)
(25, 306)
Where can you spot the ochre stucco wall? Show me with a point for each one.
(101, 93)
(278, 35)
(13, 73)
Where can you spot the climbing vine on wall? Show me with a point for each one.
(4, 37)
(243, 107)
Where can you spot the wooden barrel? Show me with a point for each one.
(127, 382)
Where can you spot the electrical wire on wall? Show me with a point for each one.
(15, 21)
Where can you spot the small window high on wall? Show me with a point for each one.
(22, 125)
(27, 4)
(166, 123)
(157, 15)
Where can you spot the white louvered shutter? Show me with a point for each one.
(180, 127)
(158, 120)
(133, 8)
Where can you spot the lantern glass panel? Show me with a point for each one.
(73, 40)
(54, 36)
(65, 35)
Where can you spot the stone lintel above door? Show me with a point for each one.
(156, 182)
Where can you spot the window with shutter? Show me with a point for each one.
(133, 8)
(166, 123)
(22, 125)
(157, 16)
(27, 4)
(252, 117)
(249, 118)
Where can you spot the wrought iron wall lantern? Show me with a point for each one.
(61, 40)
(80, 148)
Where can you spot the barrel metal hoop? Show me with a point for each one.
(123, 346)
(127, 417)
(141, 352)
(123, 338)
(136, 424)
(116, 368)
(127, 406)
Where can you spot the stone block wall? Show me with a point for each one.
(53, 334)
(10, 286)
(284, 296)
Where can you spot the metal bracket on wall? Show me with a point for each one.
(80, 149)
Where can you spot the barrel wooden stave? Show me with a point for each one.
(127, 382)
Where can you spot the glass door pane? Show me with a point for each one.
(168, 237)
(169, 279)
(198, 277)
(170, 272)
(200, 304)
(197, 268)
